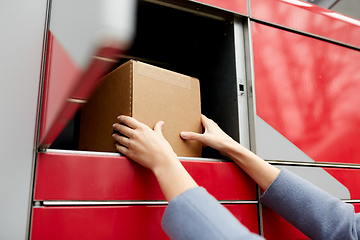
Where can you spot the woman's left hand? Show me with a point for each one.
(142, 144)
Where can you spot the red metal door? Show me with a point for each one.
(115, 222)
(307, 90)
(308, 18)
(84, 40)
(99, 177)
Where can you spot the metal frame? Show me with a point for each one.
(38, 114)
(242, 95)
(246, 97)
(119, 154)
(250, 79)
(197, 7)
(111, 203)
(193, 9)
(315, 164)
(251, 104)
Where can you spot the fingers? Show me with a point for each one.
(204, 119)
(158, 127)
(125, 130)
(124, 141)
(122, 149)
(207, 122)
(129, 121)
(196, 136)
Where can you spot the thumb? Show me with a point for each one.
(158, 127)
(191, 136)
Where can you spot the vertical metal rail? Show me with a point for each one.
(38, 115)
(251, 104)
(249, 64)
(241, 83)
(246, 93)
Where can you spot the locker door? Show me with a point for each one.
(115, 222)
(309, 18)
(76, 177)
(84, 40)
(306, 98)
(277, 228)
(98, 222)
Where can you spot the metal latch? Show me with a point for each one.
(241, 89)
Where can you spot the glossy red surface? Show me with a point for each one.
(239, 6)
(356, 207)
(92, 177)
(116, 222)
(308, 90)
(309, 18)
(121, 222)
(247, 214)
(60, 74)
(350, 178)
(277, 228)
(63, 81)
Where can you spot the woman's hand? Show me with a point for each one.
(142, 144)
(213, 136)
(150, 149)
(260, 171)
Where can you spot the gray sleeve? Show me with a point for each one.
(195, 214)
(314, 212)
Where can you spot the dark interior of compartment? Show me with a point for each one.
(190, 44)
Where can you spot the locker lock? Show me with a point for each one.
(241, 89)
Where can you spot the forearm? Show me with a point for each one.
(195, 214)
(314, 212)
(259, 170)
(173, 179)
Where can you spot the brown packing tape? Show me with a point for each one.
(164, 75)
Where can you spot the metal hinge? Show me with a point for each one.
(42, 149)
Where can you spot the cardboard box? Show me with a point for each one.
(149, 94)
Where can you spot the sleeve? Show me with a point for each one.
(313, 211)
(195, 214)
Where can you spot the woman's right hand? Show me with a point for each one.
(259, 170)
(213, 136)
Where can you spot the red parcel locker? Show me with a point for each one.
(67, 176)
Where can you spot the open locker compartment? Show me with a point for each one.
(192, 44)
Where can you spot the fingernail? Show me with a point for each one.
(118, 117)
(183, 134)
(113, 135)
(113, 125)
